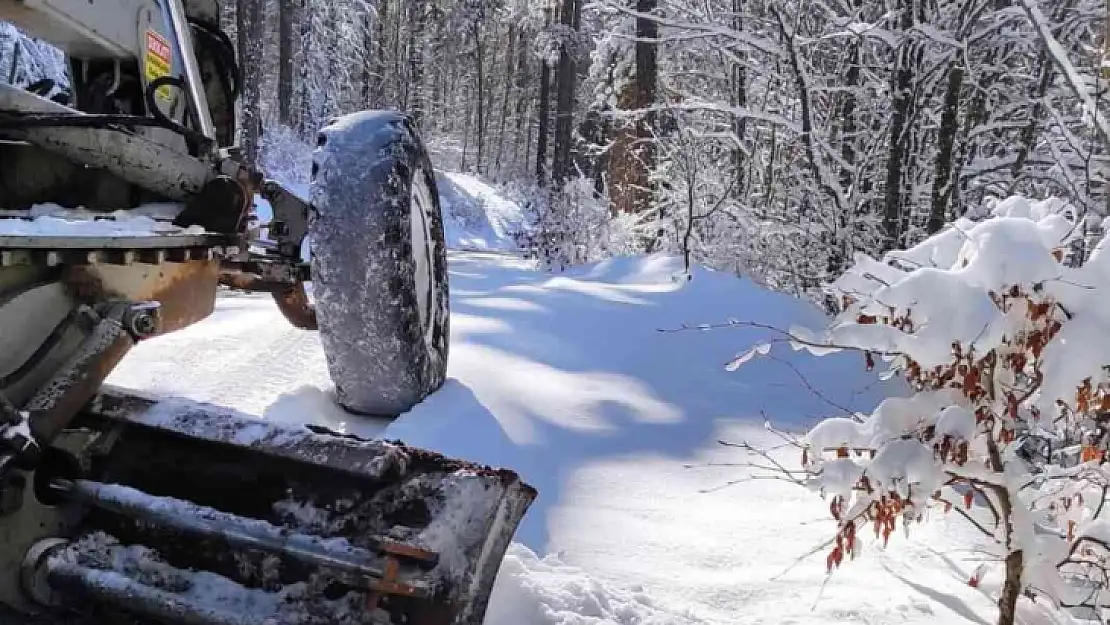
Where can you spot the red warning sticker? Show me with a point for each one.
(158, 61)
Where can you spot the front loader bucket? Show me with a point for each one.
(178, 512)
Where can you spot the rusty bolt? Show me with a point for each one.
(142, 319)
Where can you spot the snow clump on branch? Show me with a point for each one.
(1005, 342)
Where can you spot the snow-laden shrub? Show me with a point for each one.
(1006, 348)
(575, 226)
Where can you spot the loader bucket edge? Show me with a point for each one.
(437, 528)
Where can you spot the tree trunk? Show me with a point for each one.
(841, 245)
(507, 89)
(480, 96)
(241, 35)
(417, 18)
(739, 127)
(368, 65)
(305, 121)
(949, 120)
(594, 131)
(252, 42)
(435, 101)
(1036, 115)
(286, 10)
(903, 79)
(565, 81)
(521, 80)
(466, 133)
(1015, 562)
(377, 94)
(330, 97)
(848, 116)
(544, 114)
(632, 156)
(647, 30)
(403, 96)
(1011, 588)
(739, 98)
(479, 58)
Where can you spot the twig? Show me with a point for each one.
(813, 551)
(766, 456)
(787, 337)
(785, 436)
(810, 387)
(820, 591)
(745, 465)
(744, 480)
(967, 517)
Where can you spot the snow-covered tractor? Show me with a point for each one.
(125, 208)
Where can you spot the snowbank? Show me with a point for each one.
(545, 591)
(476, 216)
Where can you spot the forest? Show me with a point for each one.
(770, 138)
(932, 174)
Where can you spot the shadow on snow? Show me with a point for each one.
(550, 373)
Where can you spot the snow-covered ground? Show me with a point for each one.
(475, 216)
(569, 380)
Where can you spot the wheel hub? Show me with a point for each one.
(426, 293)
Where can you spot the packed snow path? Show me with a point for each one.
(568, 380)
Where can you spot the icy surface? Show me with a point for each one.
(567, 379)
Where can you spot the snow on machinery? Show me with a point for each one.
(116, 508)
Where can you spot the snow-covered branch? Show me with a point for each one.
(1004, 347)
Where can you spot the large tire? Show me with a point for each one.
(379, 263)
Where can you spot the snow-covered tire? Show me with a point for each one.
(379, 263)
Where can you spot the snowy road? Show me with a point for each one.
(567, 380)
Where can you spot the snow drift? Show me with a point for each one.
(476, 216)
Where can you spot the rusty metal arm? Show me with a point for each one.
(286, 284)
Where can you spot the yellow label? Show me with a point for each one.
(159, 61)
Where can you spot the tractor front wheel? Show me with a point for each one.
(379, 263)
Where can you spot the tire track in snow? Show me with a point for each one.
(243, 356)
